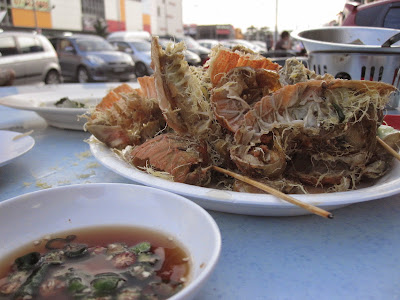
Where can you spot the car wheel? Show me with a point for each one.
(52, 77)
(140, 69)
(83, 75)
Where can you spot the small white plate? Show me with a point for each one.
(42, 102)
(67, 208)
(12, 146)
(247, 203)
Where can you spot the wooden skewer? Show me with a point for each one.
(388, 148)
(272, 191)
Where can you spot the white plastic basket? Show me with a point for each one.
(358, 66)
(353, 52)
(358, 53)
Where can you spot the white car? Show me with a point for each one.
(31, 56)
(246, 44)
(262, 45)
(208, 43)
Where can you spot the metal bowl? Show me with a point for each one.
(348, 39)
(355, 53)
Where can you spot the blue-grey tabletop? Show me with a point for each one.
(354, 256)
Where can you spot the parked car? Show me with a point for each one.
(31, 56)
(195, 47)
(139, 50)
(247, 44)
(86, 58)
(129, 35)
(261, 45)
(191, 45)
(385, 13)
(208, 43)
(192, 58)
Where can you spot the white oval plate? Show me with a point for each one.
(247, 203)
(11, 146)
(42, 102)
(66, 208)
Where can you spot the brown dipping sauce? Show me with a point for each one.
(107, 262)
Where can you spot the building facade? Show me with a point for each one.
(158, 17)
(166, 17)
(216, 32)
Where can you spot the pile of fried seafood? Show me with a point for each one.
(286, 127)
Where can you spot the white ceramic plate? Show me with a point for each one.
(247, 203)
(12, 147)
(42, 102)
(88, 205)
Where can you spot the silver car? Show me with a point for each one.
(192, 58)
(140, 50)
(31, 56)
(87, 58)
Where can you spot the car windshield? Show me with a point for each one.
(93, 45)
(142, 46)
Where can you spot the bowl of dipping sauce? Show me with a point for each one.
(108, 241)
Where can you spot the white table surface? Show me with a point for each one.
(354, 256)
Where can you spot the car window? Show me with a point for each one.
(8, 46)
(367, 17)
(64, 44)
(93, 45)
(142, 46)
(29, 44)
(122, 46)
(392, 19)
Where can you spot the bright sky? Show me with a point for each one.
(292, 14)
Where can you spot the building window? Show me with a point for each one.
(93, 7)
(93, 11)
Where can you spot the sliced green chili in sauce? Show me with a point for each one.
(116, 271)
